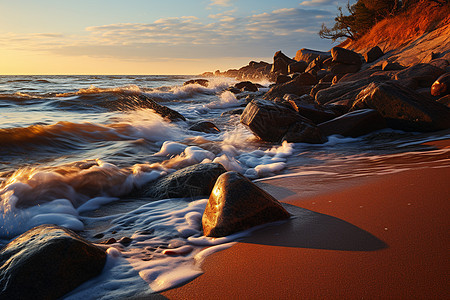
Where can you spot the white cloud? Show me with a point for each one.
(220, 2)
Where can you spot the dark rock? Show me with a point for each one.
(441, 86)
(444, 100)
(297, 67)
(373, 54)
(423, 74)
(202, 82)
(340, 68)
(318, 87)
(162, 110)
(47, 262)
(403, 108)
(126, 241)
(281, 63)
(267, 120)
(304, 131)
(308, 55)
(205, 126)
(282, 79)
(345, 56)
(316, 113)
(233, 90)
(295, 86)
(246, 86)
(192, 181)
(314, 66)
(354, 124)
(303, 99)
(327, 78)
(440, 63)
(236, 111)
(306, 79)
(374, 72)
(236, 204)
(391, 66)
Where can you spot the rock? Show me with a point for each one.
(441, 86)
(444, 100)
(192, 181)
(340, 68)
(304, 131)
(297, 67)
(354, 124)
(47, 262)
(403, 108)
(236, 111)
(440, 63)
(296, 86)
(267, 120)
(423, 74)
(236, 204)
(280, 63)
(162, 110)
(246, 86)
(282, 79)
(202, 82)
(366, 74)
(391, 66)
(205, 126)
(373, 54)
(318, 87)
(345, 56)
(308, 55)
(304, 99)
(316, 113)
(327, 78)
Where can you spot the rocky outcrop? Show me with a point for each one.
(281, 63)
(345, 61)
(192, 181)
(236, 204)
(373, 54)
(314, 112)
(420, 75)
(403, 108)
(47, 262)
(354, 124)
(246, 86)
(308, 55)
(297, 67)
(297, 86)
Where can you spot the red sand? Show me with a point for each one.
(409, 211)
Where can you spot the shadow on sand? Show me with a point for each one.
(309, 229)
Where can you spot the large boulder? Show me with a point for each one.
(441, 86)
(267, 120)
(403, 108)
(236, 204)
(246, 86)
(297, 86)
(281, 63)
(272, 122)
(373, 54)
(297, 67)
(345, 56)
(204, 126)
(354, 124)
(308, 55)
(202, 82)
(192, 181)
(314, 112)
(340, 68)
(47, 262)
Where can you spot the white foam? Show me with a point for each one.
(226, 99)
(170, 148)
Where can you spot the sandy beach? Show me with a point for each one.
(382, 238)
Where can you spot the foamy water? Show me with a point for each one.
(73, 147)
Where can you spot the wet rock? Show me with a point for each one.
(236, 204)
(282, 79)
(162, 110)
(205, 126)
(354, 124)
(126, 241)
(297, 67)
(267, 120)
(423, 74)
(444, 100)
(373, 54)
(192, 181)
(441, 86)
(202, 82)
(296, 86)
(403, 108)
(47, 262)
(345, 56)
(314, 112)
(304, 131)
(309, 55)
(236, 111)
(246, 86)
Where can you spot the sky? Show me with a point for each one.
(155, 37)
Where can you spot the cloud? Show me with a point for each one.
(318, 2)
(188, 37)
(220, 3)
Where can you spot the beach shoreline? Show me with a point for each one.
(405, 215)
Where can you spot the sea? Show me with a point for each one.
(72, 148)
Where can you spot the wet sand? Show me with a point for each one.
(385, 237)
